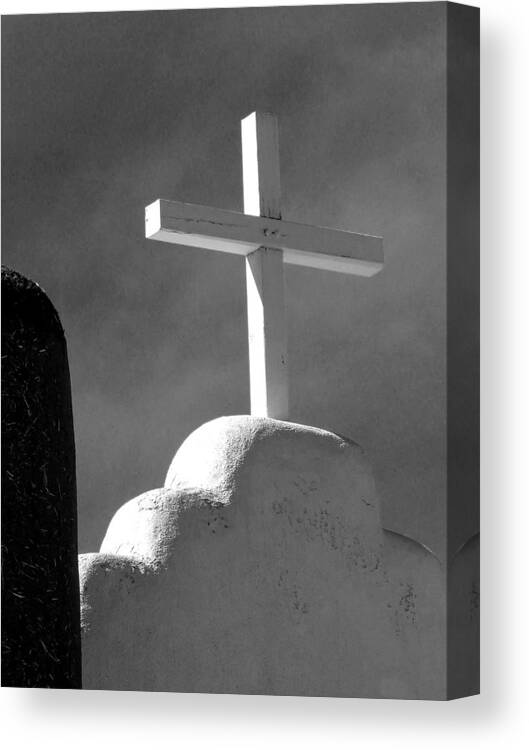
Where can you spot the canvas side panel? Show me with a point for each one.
(463, 350)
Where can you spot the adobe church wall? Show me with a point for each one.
(262, 567)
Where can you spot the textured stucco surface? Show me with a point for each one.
(261, 567)
(41, 643)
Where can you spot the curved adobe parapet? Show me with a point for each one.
(262, 567)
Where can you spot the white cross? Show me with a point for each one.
(267, 242)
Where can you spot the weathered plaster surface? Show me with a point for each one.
(261, 567)
(41, 639)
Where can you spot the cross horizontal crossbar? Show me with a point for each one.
(233, 232)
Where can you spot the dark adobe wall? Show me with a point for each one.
(40, 585)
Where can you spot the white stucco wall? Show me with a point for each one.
(261, 567)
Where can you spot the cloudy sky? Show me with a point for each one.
(104, 113)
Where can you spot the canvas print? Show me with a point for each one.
(240, 351)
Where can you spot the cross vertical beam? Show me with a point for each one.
(267, 339)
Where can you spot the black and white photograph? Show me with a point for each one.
(241, 350)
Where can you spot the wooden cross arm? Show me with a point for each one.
(233, 232)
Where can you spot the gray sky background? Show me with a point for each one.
(104, 113)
